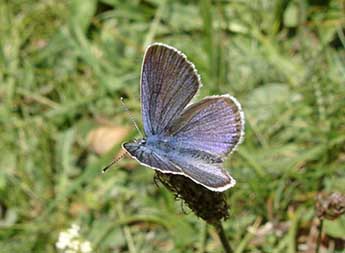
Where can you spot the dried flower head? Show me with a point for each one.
(330, 206)
(208, 205)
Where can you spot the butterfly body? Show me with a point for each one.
(169, 147)
(182, 138)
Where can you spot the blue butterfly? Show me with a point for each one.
(181, 138)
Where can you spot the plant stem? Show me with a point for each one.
(126, 230)
(318, 243)
(203, 238)
(225, 243)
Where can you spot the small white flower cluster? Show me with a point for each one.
(71, 242)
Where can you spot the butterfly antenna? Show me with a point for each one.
(115, 160)
(131, 117)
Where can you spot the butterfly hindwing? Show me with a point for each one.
(214, 124)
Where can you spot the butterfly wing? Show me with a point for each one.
(198, 141)
(205, 133)
(168, 83)
(214, 125)
(150, 158)
(202, 168)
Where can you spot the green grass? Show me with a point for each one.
(64, 65)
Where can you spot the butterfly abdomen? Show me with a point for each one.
(201, 155)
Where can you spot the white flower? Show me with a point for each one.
(74, 230)
(70, 241)
(85, 247)
(75, 245)
(64, 240)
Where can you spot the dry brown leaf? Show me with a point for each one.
(102, 139)
(261, 232)
(77, 208)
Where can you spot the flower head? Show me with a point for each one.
(209, 205)
(70, 241)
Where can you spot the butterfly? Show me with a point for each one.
(182, 138)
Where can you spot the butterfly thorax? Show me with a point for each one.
(164, 144)
(153, 143)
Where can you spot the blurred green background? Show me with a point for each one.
(64, 65)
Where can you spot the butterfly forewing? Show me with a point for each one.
(168, 83)
(188, 162)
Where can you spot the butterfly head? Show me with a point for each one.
(134, 145)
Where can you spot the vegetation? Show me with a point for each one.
(65, 64)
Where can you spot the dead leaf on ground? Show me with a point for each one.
(102, 139)
(261, 232)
